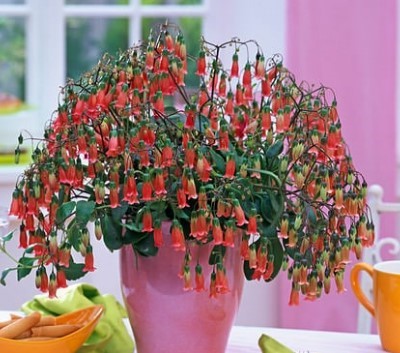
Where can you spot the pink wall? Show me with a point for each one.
(349, 46)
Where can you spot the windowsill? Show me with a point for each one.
(13, 125)
(10, 173)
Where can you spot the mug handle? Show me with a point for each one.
(356, 287)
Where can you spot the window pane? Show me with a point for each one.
(12, 59)
(172, 2)
(96, 2)
(191, 29)
(89, 38)
(12, 2)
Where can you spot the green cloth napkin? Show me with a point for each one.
(109, 336)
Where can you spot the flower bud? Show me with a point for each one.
(52, 285)
(89, 260)
(327, 281)
(285, 262)
(97, 229)
(298, 221)
(38, 278)
(199, 279)
(243, 170)
(284, 164)
(61, 279)
(85, 236)
(44, 281)
(253, 256)
(82, 248)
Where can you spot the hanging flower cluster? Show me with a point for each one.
(251, 158)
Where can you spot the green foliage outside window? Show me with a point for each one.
(12, 57)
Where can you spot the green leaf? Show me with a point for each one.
(84, 210)
(275, 149)
(112, 233)
(266, 209)
(158, 206)
(139, 215)
(248, 272)
(29, 249)
(202, 122)
(274, 248)
(145, 247)
(4, 274)
(61, 195)
(276, 207)
(185, 226)
(74, 271)
(277, 250)
(309, 257)
(311, 214)
(271, 207)
(133, 227)
(74, 236)
(219, 161)
(170, 109)
(247, 206)
(217, 254)
(118, 212)
(64, 211)
(275, 166)
(181, 214)
(238, 159)
(266, 230)
(24, 267)
(7, 237)
(133, 237)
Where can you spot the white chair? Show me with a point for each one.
(373, 255)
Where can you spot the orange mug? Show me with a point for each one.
(386, 299)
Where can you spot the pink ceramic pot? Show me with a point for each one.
(164, 317)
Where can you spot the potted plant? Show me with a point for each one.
(253, 161)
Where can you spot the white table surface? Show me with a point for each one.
(244, 339)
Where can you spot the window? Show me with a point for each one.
(12, 58)
(44, 42)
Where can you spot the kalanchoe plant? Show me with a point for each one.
(252, 154)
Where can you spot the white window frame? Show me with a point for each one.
(46, 20)
(46, 58)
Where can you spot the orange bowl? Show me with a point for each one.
(88, 317)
